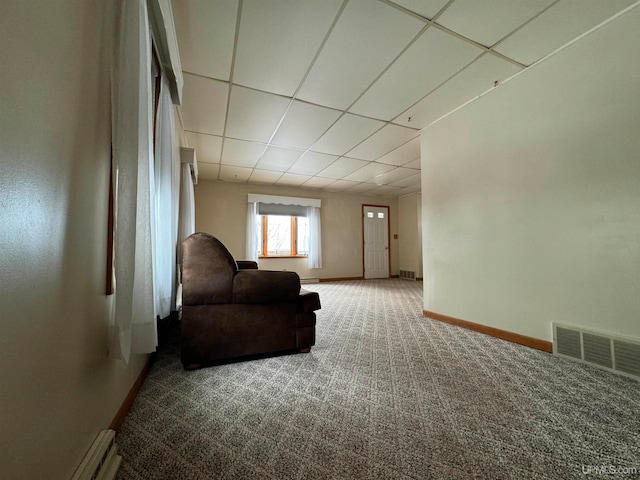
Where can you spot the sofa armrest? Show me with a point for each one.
(265, 286)
(308, 301)
(247, 264)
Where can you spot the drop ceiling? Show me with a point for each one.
(332, 94)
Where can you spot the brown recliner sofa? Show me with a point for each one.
(232, 309)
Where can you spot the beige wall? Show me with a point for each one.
(57, 387)
(531, 198)
(221, 209)
(410, 236)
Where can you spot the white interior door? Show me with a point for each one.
(376, 241)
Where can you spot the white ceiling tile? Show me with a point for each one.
(204, 104)
(264, 176)
(410, 181)
(303, 124)
(362, 187)
(292, 179)
(407, 191)
(431, 60)
(346, 133)
(277, 158)
(205, 31)
(415, 164)
(369, 171)
(477, 78)
(240, 153)
(395, 175)
(385, 190)
(254, 115)
(342, 167)
(234, 174)
(207, 147)
(425, 8)
(558, 25)
(318, 182)
(208, 171)
(404, 154)
(366, 38)
(311, 163)
(341, 185)
(488, 21)
(278, 40)
(383, 141)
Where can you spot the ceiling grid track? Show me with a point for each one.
(342, 88)
(304, 78)
(231, 69)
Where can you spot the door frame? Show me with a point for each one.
(364, 205)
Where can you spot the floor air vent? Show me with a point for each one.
(407, 274)
(602, 350)
(101, 461)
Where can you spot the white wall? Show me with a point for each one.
(57, 387)
(221, 210)
(531, 195)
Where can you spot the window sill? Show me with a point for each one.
(283, 256)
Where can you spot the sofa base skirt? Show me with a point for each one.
(213, 333)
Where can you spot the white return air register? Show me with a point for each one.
(615, 353)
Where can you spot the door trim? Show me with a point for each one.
(388, 235)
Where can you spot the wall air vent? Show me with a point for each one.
(610, 352)
(407, 274)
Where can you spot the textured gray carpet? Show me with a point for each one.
(384, 394)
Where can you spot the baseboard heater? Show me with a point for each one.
(102, 460)
(610, 352)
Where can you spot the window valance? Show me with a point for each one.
(280, 200)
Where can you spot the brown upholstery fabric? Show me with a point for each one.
(232, 309)
(207, 271)
(263, 286)
(247, 264)
(308, 301)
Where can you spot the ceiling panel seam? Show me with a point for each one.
(537, 62)
(232, 67)
(304, 77)
(495, 45)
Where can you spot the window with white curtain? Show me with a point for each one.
(145, 187)
(284, 227)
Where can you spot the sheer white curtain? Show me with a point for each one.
(166, 170)
(133, 326)
(187, 215)
(186, 220)
(315, 237)
(252, 231)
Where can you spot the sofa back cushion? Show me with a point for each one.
(207, 271)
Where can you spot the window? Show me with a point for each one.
(280, 227)
(283, 236)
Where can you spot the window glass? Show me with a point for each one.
(380, 215)
(278, 235)
(370, 214)
(283, 235)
